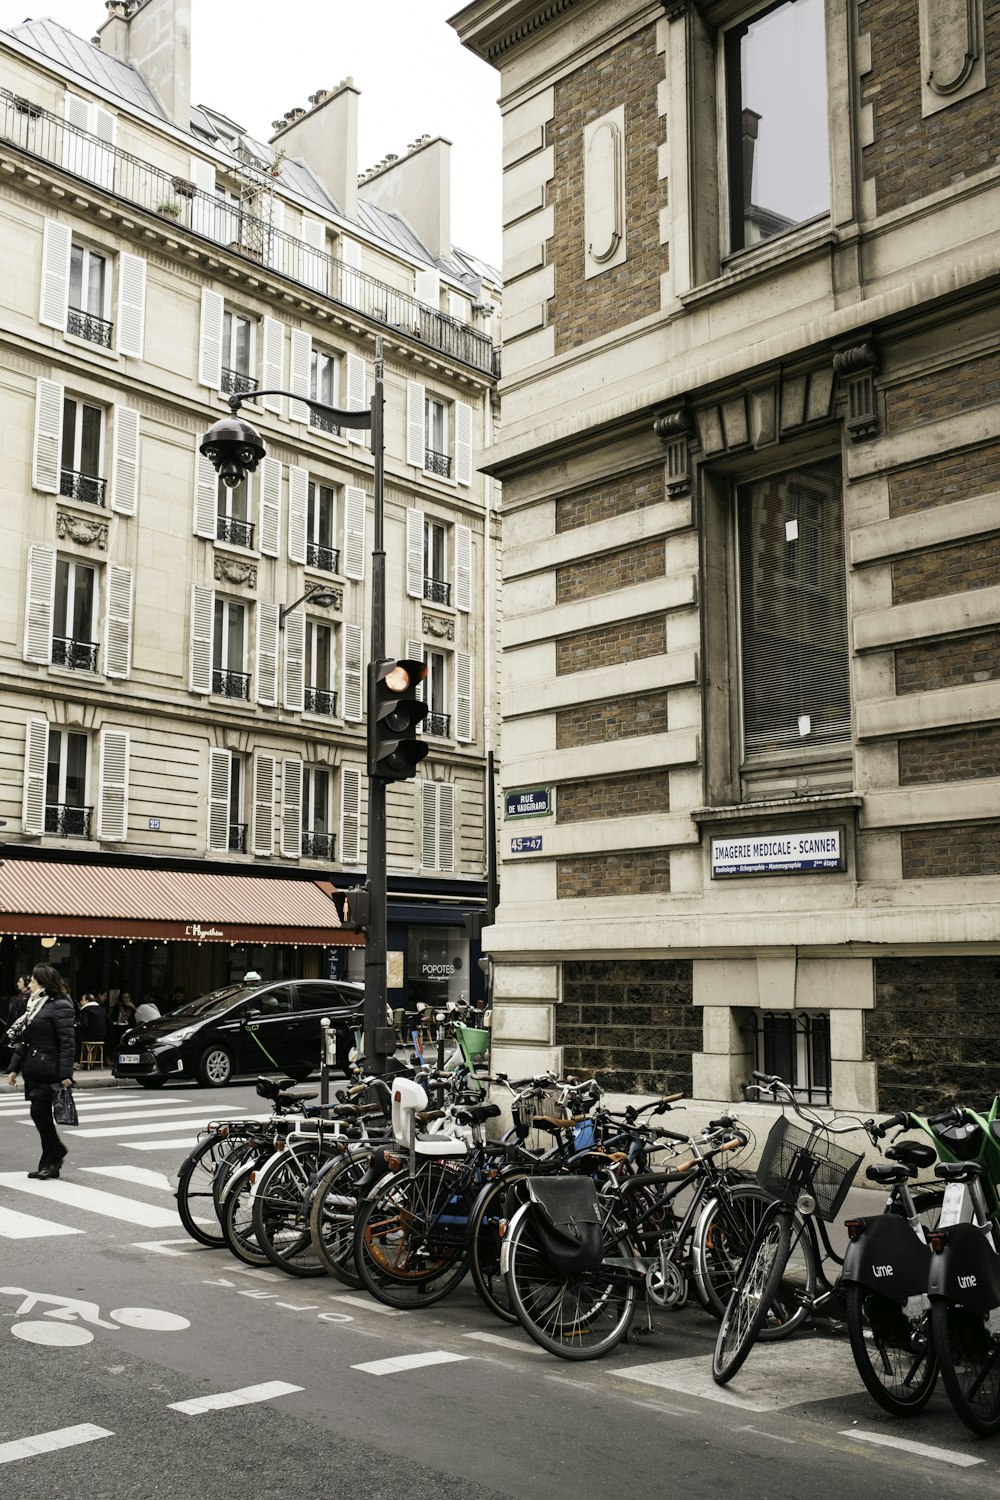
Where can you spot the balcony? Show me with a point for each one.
(326, 559)
(322, 422)
(231, 684)
(84, 325)
(321, 701)
(438, 725)
(230, 529)
(80, 656)
(244, 228)
(317, 845)
(81, 487)
(237, 382)
(437, 463)
(436, 591)
(67, 822)
(237, 838)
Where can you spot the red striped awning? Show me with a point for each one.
(56, 900)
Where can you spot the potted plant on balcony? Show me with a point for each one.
(169, 210)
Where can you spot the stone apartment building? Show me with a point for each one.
(751, 493)
(182, 665)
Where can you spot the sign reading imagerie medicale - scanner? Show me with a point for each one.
(779, 853)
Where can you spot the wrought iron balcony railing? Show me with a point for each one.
(317, 845)
(327, 559)
(323, 422)
(81, 656)
(81, 487)
(244, 227)
(237, 382)
(437, 591)
(84, 325)
(238, 838)
(237, 533)
(437, 463)
(321, 701)
(231, 684)
(438, 725)
(66, 821)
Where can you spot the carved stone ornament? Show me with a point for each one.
(231, 570)
(440, 629)
(856, 369)
(953, 44)
(79, 529)
(673, 429)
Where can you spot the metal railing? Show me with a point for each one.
(317, 845)
(231, 684)
(238, 838)
(237, 533)
(84, 325)
(437, 724)
(66, 821)
(437, 463)
(81, 656)
(77, 486)
(327, 559)
(437, 591)
(321, 701)
(243, 227)
(237, 382)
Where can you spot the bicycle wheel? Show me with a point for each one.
(494, 1206)
(411, 1237)
(332, 1212)
(237, 1218)
(280, 1212)
(756, 1286)
(195, 1185)
(722, 1238)
(969, 1355)
(578, 1314)
(894, 1354)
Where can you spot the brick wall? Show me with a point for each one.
(911, 156)
(630, 1023)
(613, 497)
(935, 1031)
(582, 310)
(948, 663)
(938, 481)
(951, 850)
(614, 797)
(965, 755)
(611, 571)
(614, 719)
(632, 872)
(611, 645)
(944, 393)
(974, 564)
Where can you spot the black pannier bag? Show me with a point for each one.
(567, 1217)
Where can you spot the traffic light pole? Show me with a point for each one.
(376, 986)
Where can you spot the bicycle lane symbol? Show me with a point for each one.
(68, 1316)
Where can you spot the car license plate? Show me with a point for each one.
(128, 1057)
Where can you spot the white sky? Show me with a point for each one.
(255, 59)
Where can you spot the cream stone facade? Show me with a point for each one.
(751, 465)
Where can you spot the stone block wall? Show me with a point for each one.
(935, 1032)
(630, 1022)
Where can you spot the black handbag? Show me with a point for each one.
(64, 1106)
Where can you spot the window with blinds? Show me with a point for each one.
(793, 611)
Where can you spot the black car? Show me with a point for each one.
(243, 1029)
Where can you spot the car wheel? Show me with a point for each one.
(215, 1067)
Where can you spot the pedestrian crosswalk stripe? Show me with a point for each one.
(176, 1116)
(92, 1132)
(49, 1442)
(142, 1176)
(184, 1143)
(92, 1200)
(15, 1226)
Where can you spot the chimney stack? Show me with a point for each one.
(418, 187)
(325, 137)
(155, 37)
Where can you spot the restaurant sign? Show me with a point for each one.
(798, 853)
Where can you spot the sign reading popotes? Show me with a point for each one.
(795, 853)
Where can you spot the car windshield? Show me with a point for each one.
(212, 1004)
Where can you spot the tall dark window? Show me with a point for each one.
(66, 812)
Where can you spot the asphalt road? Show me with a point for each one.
(142, 1322)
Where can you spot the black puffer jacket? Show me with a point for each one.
(44, 1054)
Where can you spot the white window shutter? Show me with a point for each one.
(125, 462)
(204, 215)
(57, 244)
(210, 339)
(112, 795)
(40, 604)
(299, 373)
(47, 453)
(274, 362)
(118, 622)
(351, 285)
(356, 394)
(446, 826)
(428, 825)
(267, 654)
(291, 809)
(354, 532)
(463, 696)
(351, 675)
(298, 505)
(295, 661)
(36, 755)
(415, 553)
(350, 816)
(131, 304)
(458, 307)
(219, 774)
(270, 506)
(463, 442)
(262, 831)
(416, 447)
(104, 126)
(206, 497)
(428, 288)
(314, 261)
(463, 568)
(202, 622)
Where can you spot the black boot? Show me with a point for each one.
(46, 1173)
(43, 1162)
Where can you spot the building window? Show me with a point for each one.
(776, 121)
(321, 528)
(438, 720)
(237, 354)
(89, 290)
(229, 679)
(320, 695)
(66, 810)
(323, 387)
(82, 449)
(237, 840)
(437, 459)
(793, 612)
(233, 522)
(795, 1045)
(75, 611)
(436, 586)
(317, 814)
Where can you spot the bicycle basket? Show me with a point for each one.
(795, 1160)
(536, 1103)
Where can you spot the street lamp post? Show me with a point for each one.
(235, 448)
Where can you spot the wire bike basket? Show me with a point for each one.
(795, 1161)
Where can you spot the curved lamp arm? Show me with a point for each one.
(361, 419)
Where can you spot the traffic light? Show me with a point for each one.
(395, 713)
(355, 913)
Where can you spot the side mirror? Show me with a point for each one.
(251, 1012)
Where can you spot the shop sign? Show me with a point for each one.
(195, 930)
(436, 971)
(530, 802)
(527, 845)
(795, 853)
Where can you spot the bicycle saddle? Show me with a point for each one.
(912, 1153)
(477, 1114)
(959, 1171)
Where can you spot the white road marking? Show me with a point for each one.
(409, 1362)
(774, 1377)
(248, 1396)
(920, 1450)
(181, 1143)
(54, 1335)
(174, 1117)
(93, 1200)
(126, 1125)
(51, 1442)
(165, 1247)
(149, 1319)
(15, 1226)
(143, 1176)
(506, 1341)
(91, 1099)
(370, 1305)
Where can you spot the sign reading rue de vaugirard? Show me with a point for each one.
(798, 853)
(528, 802)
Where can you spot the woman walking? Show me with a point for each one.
(43, 1040)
